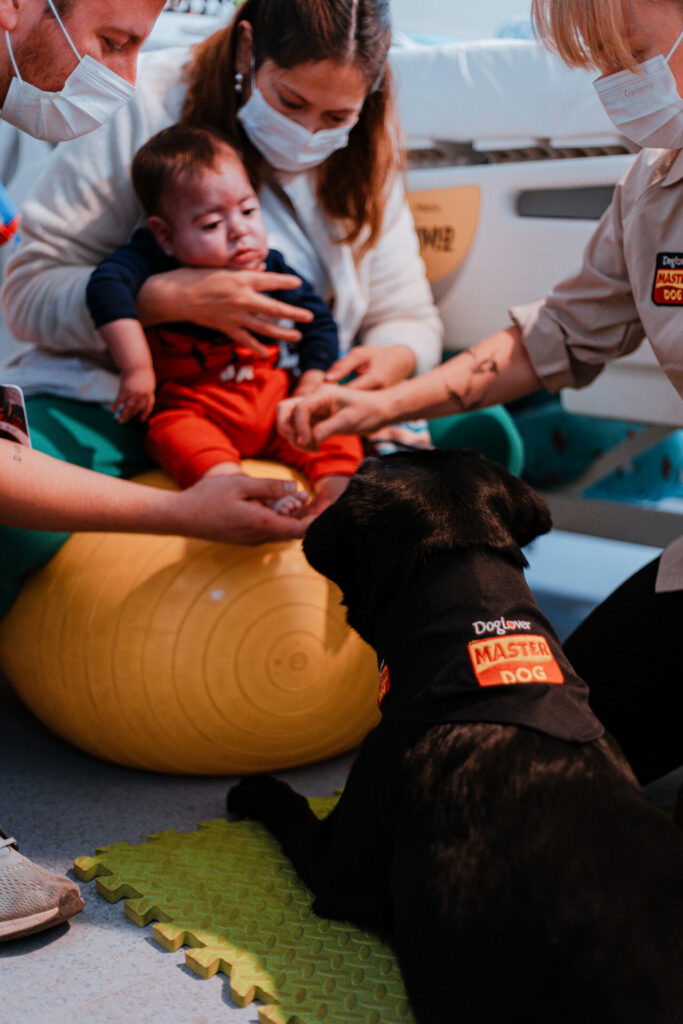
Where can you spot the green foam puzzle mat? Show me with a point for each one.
(227, 891)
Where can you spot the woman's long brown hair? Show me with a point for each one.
(353, 182)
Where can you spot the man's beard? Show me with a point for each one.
(32, 58)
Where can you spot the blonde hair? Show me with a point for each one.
(584, 33)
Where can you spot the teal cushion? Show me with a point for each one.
(491, 431)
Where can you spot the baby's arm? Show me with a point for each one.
(128, 346)
(308, 382)
(110, 296)
(318, 348)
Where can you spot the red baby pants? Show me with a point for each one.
(194, 427)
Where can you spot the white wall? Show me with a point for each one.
(455, 19)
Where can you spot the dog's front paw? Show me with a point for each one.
(254, 796)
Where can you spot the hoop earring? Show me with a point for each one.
(239, 82)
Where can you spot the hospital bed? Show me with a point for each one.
(511, 162)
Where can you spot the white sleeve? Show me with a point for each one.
(401, 308)
(81, 209)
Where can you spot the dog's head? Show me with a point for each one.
(402, 510)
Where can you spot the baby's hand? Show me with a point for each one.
(136, 395)
(283, 419)
(292, 505)
(309, 382)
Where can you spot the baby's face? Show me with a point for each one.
(214, 219)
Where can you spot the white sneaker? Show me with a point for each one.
(31, 898)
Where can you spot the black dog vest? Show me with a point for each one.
(466, 642)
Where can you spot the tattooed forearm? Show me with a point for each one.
(456, 400)
(485, 366)
(474, 392)
(16, 453)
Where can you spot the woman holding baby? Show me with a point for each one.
(304, 90)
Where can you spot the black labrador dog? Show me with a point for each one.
(489, 829)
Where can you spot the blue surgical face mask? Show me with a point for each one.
(90, 96)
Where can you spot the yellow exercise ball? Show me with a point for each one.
(186, 656)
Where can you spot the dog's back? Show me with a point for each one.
(533, 882)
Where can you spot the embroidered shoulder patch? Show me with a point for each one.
(518, 658)
(667, 289)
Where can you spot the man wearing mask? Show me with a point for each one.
(66, 66)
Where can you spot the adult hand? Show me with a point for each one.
(231, 509)
(376, 366)
(230, 301)
(307, 422)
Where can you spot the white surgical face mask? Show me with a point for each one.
(90, 96)
(286, 145)
(645, 105)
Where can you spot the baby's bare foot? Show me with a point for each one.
(291, 505)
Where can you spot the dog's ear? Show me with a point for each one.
(526, 513)
(483, 505)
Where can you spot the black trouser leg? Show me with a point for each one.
(629, 651)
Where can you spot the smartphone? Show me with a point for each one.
(13, 418)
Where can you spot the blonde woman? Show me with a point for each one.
(628, 648)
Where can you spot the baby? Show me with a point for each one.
(207, 400)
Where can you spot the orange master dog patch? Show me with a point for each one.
(519, 658)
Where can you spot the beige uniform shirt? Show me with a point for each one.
(630, 286)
